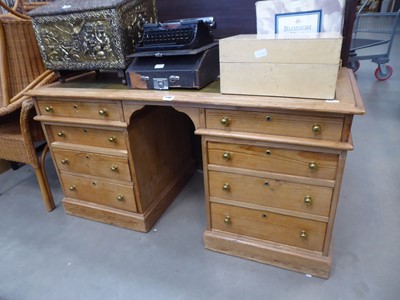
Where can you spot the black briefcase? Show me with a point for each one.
(187, 69)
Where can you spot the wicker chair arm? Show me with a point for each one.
(16, 105)
(31, 130)
(27, 104)
(13, 11)
(26, 107)
(27, 111)
(44, 78)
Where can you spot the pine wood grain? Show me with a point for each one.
(95, 110)
(97, 137)
(270, 192)
(92, 163)
(99, 191)
(268, 226)
(279, 161)
(276, 124)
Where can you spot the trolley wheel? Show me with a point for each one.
(383, 76)
(355, 65)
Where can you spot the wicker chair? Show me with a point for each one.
(27, 5)
(21, 69)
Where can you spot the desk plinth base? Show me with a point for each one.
(105, 214)
(287, 257)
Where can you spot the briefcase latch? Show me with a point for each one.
(173, 78)
(160, 83)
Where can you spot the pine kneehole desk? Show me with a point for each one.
(272, 166)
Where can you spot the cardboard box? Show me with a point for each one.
(299, 16)
(305, 66)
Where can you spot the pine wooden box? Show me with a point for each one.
(287, 66)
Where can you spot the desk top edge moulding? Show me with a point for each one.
(347, 100)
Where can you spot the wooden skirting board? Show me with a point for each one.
(292, 258)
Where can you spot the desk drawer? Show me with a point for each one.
(90, 163)
(327, 128)
(114, 139)
(292, 162)
(299, 197)
(101, 192)
(274, 227)
(105, 110)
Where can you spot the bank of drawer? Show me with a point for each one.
(274, 227)
(114, 139)
(327, 128)
(292, 162)
(90, 163)
(101, 192)
(108, 111)
(287, 195)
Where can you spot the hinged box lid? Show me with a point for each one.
(322, 48)
(73, 6)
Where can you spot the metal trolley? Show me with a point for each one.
(377, 31)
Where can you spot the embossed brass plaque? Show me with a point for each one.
(89, 38)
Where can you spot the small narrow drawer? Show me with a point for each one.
(315, 127)
(101, 192)
(292, 162)
(90, 163)
(114, 139)
(282, 194)
(105, 110)
(269, 226)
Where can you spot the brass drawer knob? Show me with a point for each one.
(114, 168)
(48, 109)
(312, 166)
(103, 112)
(120, 198)
(268, 152)
(65, 161)
(227, 220)
(226, 187)
(226, 156)
(112, 139)
(316, 128)
(266, 183)
(61, 134)
(225, 121)
(268, 118)
(308, 200)
(303, 235)
(72, 188)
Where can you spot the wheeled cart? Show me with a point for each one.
(376, 31)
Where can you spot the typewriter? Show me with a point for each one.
(177, 34)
